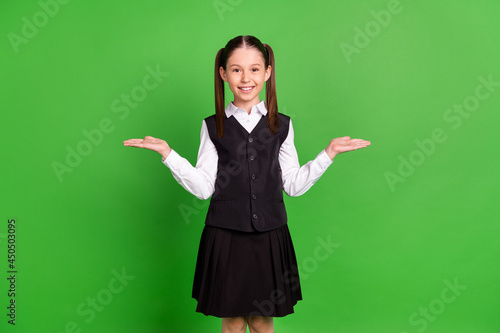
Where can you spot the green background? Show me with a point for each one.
(399, 241)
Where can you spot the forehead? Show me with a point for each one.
(245, 56)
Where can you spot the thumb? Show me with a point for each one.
(148, 137)
(346, 137)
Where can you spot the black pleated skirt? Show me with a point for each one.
(246, 273)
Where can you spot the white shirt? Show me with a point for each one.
(200, 180)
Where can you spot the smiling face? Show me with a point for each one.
(245, 73)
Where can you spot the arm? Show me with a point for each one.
(199, 180)
(296, 179)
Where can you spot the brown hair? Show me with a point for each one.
(221, 61)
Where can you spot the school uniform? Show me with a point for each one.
(246, 263)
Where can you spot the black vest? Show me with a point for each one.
(249, 189)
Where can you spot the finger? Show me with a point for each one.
(341, 138)
(134, 144)
(149, 137)
(132, 141)
(361, 141)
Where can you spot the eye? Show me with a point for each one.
(236, 70)
(255, 69)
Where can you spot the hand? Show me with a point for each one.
(158, 145)
(343, 144)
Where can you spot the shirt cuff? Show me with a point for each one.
(323, 159)
(172, 159)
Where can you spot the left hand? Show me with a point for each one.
(158, 145)
(344, 144)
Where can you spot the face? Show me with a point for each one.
(245, 73)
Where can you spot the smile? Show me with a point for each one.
(246, 89)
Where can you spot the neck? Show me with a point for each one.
(247, 106)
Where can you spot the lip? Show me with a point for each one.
(246, 91)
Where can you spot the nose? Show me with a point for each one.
(244, 76)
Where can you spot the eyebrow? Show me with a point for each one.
(236, 65)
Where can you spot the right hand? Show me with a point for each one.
(158, 145)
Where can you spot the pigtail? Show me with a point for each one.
(219, 96)
(271, 98)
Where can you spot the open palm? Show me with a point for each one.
(345, 144)
(150, 143)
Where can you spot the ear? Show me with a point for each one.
(222, 73)
(268, 73)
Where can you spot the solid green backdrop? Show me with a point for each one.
(106, 240)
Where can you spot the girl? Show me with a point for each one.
(246, 272)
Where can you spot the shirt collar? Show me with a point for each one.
(231, 109)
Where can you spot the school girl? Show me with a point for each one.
(246, 271)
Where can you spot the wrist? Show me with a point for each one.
(331, 153)
(164, 153)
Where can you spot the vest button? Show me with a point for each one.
(254, 196)
(252, 158)
(250, 140)
(254, 216)
(253, 176)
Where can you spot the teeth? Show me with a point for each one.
(246, 89)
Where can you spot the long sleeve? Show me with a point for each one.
(296, 179)
(199, 180)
